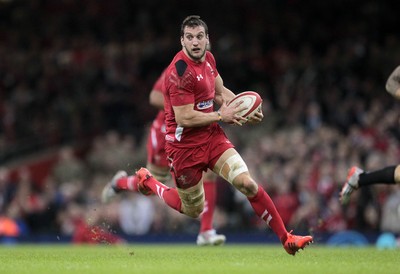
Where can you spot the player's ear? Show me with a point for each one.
(208, 45)
(182, 41)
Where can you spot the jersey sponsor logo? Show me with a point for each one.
(205, 104)
(199, 77)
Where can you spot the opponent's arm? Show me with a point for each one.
(393, 83)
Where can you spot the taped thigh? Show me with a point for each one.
(232, 167)
(161, 173)
(192, 200)
(161, 176)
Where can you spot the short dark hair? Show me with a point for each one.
(193, 21)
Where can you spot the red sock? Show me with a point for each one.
(210, 191)
(129, 183)
(265, 209)
(169, 195)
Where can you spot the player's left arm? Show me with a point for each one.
(222, 93)
(223, 96)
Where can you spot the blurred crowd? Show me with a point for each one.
(75, 76)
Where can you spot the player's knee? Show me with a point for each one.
(192, 200)
(246, 185)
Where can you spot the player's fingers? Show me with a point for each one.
(239, 108)
(254, 120)
(237, 122)
(258, 115)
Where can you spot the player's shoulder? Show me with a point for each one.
(179, 65)
(209, 55)
(210, 58)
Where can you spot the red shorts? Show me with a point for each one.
(156, 147)
(187, 164)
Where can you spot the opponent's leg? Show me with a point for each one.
(357, 177)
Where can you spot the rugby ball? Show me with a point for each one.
(251, 100)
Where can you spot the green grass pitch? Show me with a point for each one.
(189, 258)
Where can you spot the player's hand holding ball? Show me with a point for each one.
(249, 107)
(256, 118)
(229, 113)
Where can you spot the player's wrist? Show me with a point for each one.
(219, 115)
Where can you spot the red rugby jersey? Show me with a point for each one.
(188, 82)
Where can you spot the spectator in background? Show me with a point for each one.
(37, 205)
(390, 221)
(136, 214)
(8, 189)
(69, 168)
(9, 227)
(112, 151)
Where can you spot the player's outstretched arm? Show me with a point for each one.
(393, 83)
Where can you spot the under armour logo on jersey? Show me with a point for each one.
(199, 77)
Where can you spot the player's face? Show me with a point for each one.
(194, 42)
